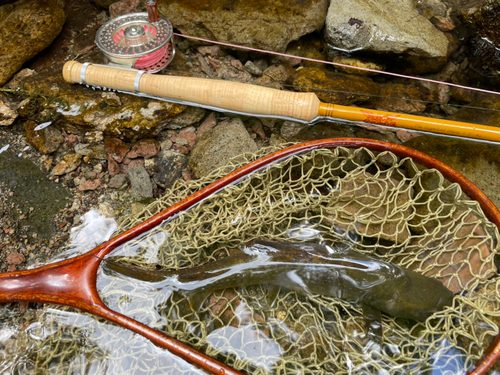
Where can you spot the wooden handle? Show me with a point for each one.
(226, 95)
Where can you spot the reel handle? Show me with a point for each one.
(226, 95)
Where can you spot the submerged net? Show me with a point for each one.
(383, 205)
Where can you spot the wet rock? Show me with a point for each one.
(7, 113)
(81, 109)
(117, 181)
(69, 163)
(218, 145)
(346, 89)
(409, 99)
(323, 130)
(46, 140)
(116, 149)
(483, 19)
(451, 259)
(479, 162)
(32, 189)
(146, 148)
(111, 99)
(16, 258)
(168, 167)
(357, 63)
(96, 151)
(376, 207)
(140, 183)
(309, 46)
(262, 24)
(392, 26)
(291, 128)
(27, 27)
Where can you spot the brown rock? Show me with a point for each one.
(27, 27)
(376, 207)
(113, 167)
(146, 148)
(119, 8)
(263, 24)
(90, 185)
(116, 149)
(16, 258)
(69, 163)
(458, 255)
(46, 140)
(7, 113)
(346, 89)
(207, 124)
(409, 98)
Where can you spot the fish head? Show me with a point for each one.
(415, 297)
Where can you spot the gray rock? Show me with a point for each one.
(291, 128)
(218, 145)
(169, 166)
(117, 181)
(390, 26)
(140, 183)
(251, 68)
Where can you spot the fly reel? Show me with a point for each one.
(142, 41)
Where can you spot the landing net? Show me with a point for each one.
(380, 204)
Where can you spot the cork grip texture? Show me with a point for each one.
(226, 95)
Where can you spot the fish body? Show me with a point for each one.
(307, 268)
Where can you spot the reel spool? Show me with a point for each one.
(142, 41)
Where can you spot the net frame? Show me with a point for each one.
(83, 301)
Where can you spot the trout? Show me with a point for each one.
(306, 268)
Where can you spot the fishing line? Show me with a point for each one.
(339, 64)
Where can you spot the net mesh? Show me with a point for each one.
(386, 206)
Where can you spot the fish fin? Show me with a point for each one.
(373, 324)
(272, 295)
(196, 298)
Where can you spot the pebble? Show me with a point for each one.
(116, 149)
(146, 148)
(69, 163)
(117, 181)
(140, 183)
(16, 258)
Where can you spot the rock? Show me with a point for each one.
(90, 185)
(207, 124)
(252, 68)
(291, 128)
(104, 3)
(263, 24)
(140, 183)
(169, 166)
(69, 163)
(117, 181)
(346, 89)
(7, 113)
(218, 145)
(97, 151)
(116, 149)
(456, 263)
(372, 206)
(281, 73)
(357, 63)
(113, 167)
(46, 140)
(16, 258)
(119, 8)
(28, 27)
(309, 46)
(389, 27)
(146, 148)
(81, 109)
(31, 188)
(409, 99)
(483, 20)
(479, 162)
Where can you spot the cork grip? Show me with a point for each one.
(226, 95)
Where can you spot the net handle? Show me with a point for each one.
(72, 282)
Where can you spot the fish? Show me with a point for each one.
(309, 269)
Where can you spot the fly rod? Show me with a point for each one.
(248, 99)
